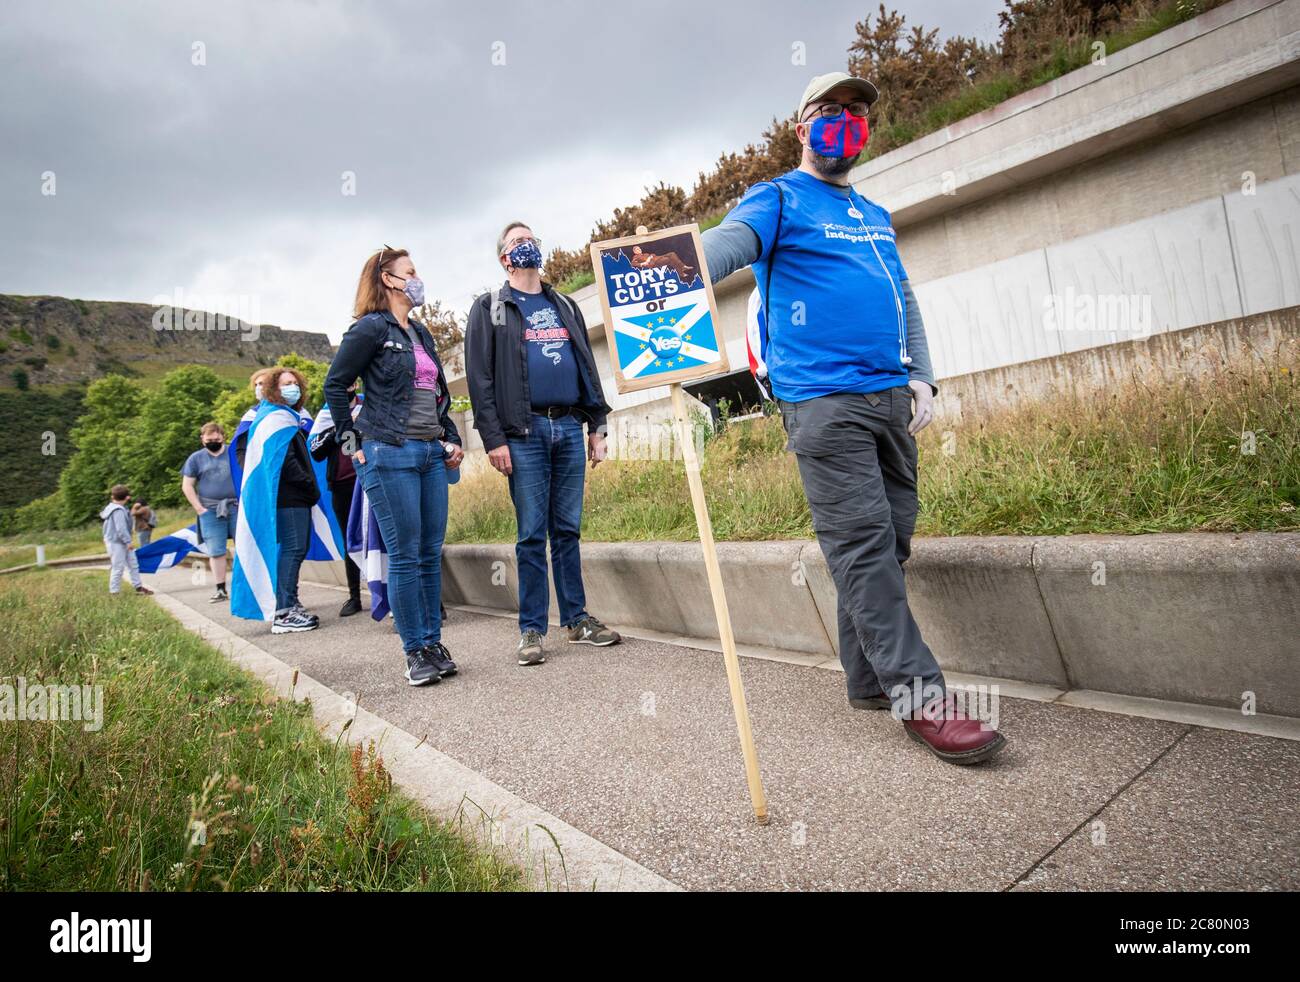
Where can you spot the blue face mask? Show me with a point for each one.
(290, 394)
(526, 255)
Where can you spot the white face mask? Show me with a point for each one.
(257, 392)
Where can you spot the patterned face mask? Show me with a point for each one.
(526, 255)
(842, 136)
(414, 291)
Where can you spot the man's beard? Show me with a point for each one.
(832, 166)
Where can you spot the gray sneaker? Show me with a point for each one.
(591, 631)
(292, 622)
(419, 670)
(530, 649)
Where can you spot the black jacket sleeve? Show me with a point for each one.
(357, 349)
(480, 374)
(323, 444)
(598, 419)
(450, 434)
(298, 487)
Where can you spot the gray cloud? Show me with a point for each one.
(226, 178)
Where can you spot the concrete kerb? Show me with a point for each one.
(977, 599)
(481, 575)
(1192, 618)
(1197, 617)
(627, 584)
(553, 854)
(767, 594)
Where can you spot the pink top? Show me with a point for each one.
(426, 372)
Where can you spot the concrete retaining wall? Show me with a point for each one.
(1199, 618)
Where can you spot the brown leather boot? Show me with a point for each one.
(951, 735)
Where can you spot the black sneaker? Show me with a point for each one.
(591, 631)
(353, 606)
(220, 596)
(438, 654)
(293, 621)
(530, 650)
(419, 670)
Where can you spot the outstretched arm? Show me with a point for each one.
(729, 247)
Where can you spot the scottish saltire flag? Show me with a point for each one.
(257, 551)
(166, 552)
(662, 322)
(236, 472)
(326, 536)
(366, 548)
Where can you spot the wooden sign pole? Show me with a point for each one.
(756, 795)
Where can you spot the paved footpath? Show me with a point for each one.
(635, 745)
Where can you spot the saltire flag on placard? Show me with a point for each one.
(168, 551)
(681, 336)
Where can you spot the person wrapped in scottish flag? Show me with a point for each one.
(278, 491)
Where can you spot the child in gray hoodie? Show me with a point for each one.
(117, 538)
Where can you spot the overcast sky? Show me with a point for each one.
(226, 178)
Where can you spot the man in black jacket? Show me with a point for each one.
(533, 383)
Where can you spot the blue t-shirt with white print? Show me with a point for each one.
(552, 362)
(835, 318)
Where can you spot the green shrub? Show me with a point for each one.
(39, 515)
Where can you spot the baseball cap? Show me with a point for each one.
(822, 84)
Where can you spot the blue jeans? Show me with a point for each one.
(547, 469)
(407, 488)
(293, 532)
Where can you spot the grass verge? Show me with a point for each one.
(1220, 454)
(199, 779)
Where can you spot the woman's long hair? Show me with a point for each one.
(372, 295)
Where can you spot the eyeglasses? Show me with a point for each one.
(832, 110)
(511, 243)
(379, 266)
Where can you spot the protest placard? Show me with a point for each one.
(660, 318)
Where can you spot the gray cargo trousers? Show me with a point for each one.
(858, 466)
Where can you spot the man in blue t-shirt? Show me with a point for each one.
(848, 362)
(209, 486)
